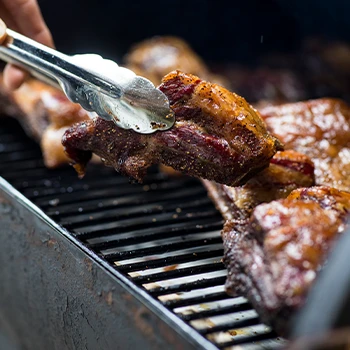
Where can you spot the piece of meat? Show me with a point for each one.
(319, 128)
(154, 58)
(263, 84)
(217, 136)
(45, 113)
(288, 171)
(274, 256)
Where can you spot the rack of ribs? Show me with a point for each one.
(279, 227)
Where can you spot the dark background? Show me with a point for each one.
(218, 30)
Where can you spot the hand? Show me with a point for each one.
(23, 16)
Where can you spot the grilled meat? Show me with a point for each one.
(274, 244)
(320, 129)
(45, 113)
(288, 171)
(217, 135)
(263, 84)
(158, 56)
(274, 256)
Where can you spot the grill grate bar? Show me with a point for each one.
(74, 222)
(187, 287)
(172, 260)
(127, 254)
(249, 339)
(216, 312)
(108, 192)
(111, 227)
(102, 204)
(80, 186)
(205, 298)
(232, 325)
(16, 157)
(179, 273)
(147, 239)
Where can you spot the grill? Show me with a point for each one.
(152, 251)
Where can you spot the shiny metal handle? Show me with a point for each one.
(49, 64)
(115, 93)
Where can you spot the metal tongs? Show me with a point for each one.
(98, 85)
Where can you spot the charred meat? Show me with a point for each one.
(217, 136)
(288, 171)
(273, 257)
(320, 129)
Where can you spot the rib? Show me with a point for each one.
(278, 231)
(288, 171)
(45, 113)
(217, 135)
(274, 257)
(319, 128)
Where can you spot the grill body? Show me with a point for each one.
(56, 296)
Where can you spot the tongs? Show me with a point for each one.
(99, 85)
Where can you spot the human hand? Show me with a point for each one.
(23, 16)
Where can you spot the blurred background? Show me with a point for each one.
(219, 30)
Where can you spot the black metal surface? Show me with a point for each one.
(160, 239)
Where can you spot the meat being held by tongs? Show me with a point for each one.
(217, 135)
(45, 112)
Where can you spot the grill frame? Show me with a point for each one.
(45, 234)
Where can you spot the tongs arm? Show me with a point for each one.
(49, 64)
(99, 85)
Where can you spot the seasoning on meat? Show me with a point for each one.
(217, 136)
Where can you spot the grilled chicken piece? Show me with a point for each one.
(320, 129)
(45, 113)
(274, 256)
(217, 136)
(158, 56)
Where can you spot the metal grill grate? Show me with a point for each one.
(164, 235)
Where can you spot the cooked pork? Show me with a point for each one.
(217, 136)
(277, 234)
(288, 171)
(319, 128)
(154, 58)
(45, 113)
(274, 256)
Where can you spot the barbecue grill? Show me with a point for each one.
(101, 263)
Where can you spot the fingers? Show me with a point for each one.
(3, 34)
(13, 77)
(28, 19)
(25, 17)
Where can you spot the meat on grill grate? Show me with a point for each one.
(273, 257)
(274, 250)
(319, 128)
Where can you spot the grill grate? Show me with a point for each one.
(164, 235)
